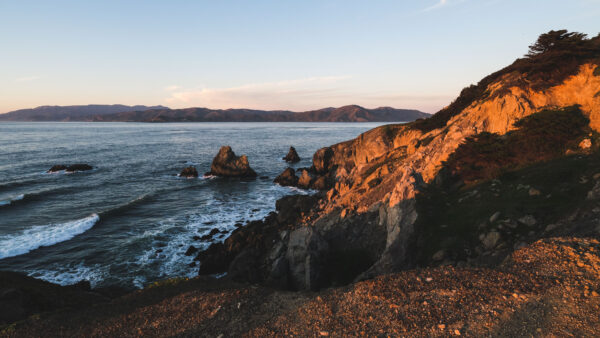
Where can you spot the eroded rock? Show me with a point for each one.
(227, 164)
(292, 156)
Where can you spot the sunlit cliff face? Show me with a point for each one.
(395, 155)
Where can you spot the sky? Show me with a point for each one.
(279, 54)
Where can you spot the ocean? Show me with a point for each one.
(129, 221)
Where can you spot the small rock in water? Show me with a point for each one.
(189, 172)
(227, 164)
(292, 156)
(534, 192)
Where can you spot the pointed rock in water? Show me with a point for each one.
(292, 156)
(189, 172)
(287, 178)
(227, 164)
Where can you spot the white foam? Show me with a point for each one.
(11, 199)
(44, 235)
(71, 274)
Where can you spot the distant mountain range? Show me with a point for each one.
(121, 113)
(70, 113)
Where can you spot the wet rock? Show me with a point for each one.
(79, 167)
(189, 172)
(191, 250)
(287, 178)
(227, 164)
(534, 192)
(214, 232)
(70, 168)
(57, 167)
(292, 156)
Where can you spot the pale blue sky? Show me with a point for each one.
(280, 54)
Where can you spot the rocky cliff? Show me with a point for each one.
(369, 220)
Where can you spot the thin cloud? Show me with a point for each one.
(27, 79)
(301, 95)
(290, 94)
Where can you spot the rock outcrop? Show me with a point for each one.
(189, 172)
(287, 178)
(70, 168)
(227, 164)
(373, 186)
(292, 156)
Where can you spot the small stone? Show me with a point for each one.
(494, 217)
(324, 334)
(528, 220)
(534, 192)
(491, 239)
(428, 279)
(596, 176)
(438, 256)
(551, 227)
(441, 326)
(457, 332)
(594, 294)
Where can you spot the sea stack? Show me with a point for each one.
(227, 164)
(292, 156)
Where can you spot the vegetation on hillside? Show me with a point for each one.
(541, 136)
(555, 56)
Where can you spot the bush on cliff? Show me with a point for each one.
(541, 136)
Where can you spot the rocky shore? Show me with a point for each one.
(480, 221)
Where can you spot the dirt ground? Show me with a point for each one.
(549, 288)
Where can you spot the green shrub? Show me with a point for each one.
(538, 137)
